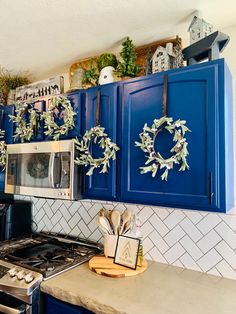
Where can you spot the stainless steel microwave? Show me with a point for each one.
(43, 169)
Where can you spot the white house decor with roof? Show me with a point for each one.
(163, 58)
(199, 29)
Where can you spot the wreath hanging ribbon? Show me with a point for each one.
(3, 150)
(96, 135)
(56, 105)
(24, 130)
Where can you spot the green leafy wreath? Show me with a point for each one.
(154, 159)
(97, 136)
(25, 130)
(3, 150)
(52, 128)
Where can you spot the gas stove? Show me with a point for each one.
(26, 261)
(48, 254)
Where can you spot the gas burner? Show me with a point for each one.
(48, 254)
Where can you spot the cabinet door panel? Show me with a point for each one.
(7, 126)
(76, 100)
(102, 185)
(192, 97)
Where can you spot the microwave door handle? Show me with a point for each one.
(51, 170)
(64, 172)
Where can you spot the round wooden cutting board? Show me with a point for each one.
(105, 266)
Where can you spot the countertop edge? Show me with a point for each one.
(79, 300)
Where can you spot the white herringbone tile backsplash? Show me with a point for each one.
(195, 240)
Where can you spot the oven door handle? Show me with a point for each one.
(9, 310)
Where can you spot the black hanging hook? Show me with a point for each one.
(98, 107)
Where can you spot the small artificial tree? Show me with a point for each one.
(128, 67)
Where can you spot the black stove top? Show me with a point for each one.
(48, 254)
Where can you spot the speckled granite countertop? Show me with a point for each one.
(162, 289)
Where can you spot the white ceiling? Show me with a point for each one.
(45, 36)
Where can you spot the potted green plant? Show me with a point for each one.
(9, 82)
(128, 66)
(106, 64)
(91, 75)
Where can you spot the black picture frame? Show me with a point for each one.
(134, 257)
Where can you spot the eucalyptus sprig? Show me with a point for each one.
(96, 135)
(51, 127)
(25, 130)
(155, 160)
(3, 150)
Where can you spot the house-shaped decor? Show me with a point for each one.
(207, 48)
(162, 59)
(199, 29)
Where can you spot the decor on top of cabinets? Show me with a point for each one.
(179, 57)
(25, 130)
(163, 58)
(49, 87)
(199, 29)
(9, 82)
(128, 66)
(154, 159)
(61, 108)
(91, 76)
(141, 53)
(3, 150)
(207, 48)
(96, 135)
(106, 63)
(148, 63)
(77, 79)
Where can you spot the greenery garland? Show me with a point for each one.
(25, 130)
(52, 128)
(154, 159)
(3, 150)
(97, 136)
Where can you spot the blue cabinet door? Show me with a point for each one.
(55, 306)
(195, 94)
(38, 131)
(7, 126)
(76, 99)
(101, 185)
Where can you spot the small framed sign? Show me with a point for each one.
(126, 253)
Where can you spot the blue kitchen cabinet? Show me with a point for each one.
(55, 306)
(38, 132)
(76, 99)
(7, 126)
(101, 185)
(39, 106)
(201, 95)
